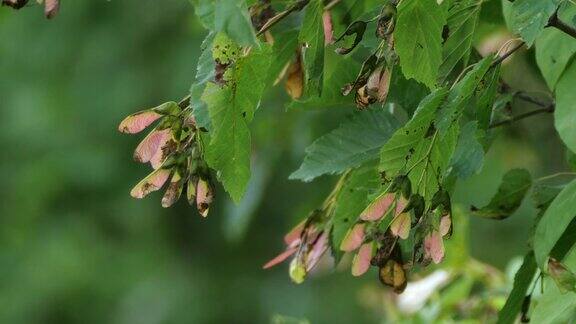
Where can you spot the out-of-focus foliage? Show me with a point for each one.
(75, 249)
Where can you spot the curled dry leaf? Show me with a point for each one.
(154, 181)
(357, 28)
(137, 122)
(361, 262)
(377, 209)
(353, 238)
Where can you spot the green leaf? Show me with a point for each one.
(350, 202)
(571, 159)
(395, 152)
(486, 98)
(228, 16)
(555, 49)
(461, 94)
(530, 17)
(515, 184)
(543, 195)
(204, 9)
(229, 148)
(553, 224)
(468, 157)
(418, 36)
(407, 93)
(204, 74)
(565, 113)
(231, 108)
(554, 306)
(356, 141)
(462, 23)
(284, 50)
(312, 37)
(522, 280)
(339, 71)
(414, 148)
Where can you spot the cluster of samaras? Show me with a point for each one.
(375, 237)
(51, 7)
(173, 149)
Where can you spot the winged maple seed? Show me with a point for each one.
(16, 4)
(394, 214)
(51, 7)
(308, 242)
(173, 151)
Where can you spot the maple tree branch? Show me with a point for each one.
(548, 109)
(506, 55)
(560, 25)
(279, 17)
(527, 98)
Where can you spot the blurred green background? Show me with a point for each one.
(76, 248)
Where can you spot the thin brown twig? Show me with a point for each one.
(279, 17)
(560, 25)
(549, 109)
(506, 55)
(523, 96)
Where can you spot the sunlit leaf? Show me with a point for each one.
(522, 281)
(312, 37)
(555, 49)
(418, 36)
(468, 157)
(530, 17)
(553, 224)
(565, 113)
(356, 141)
(462, 22)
